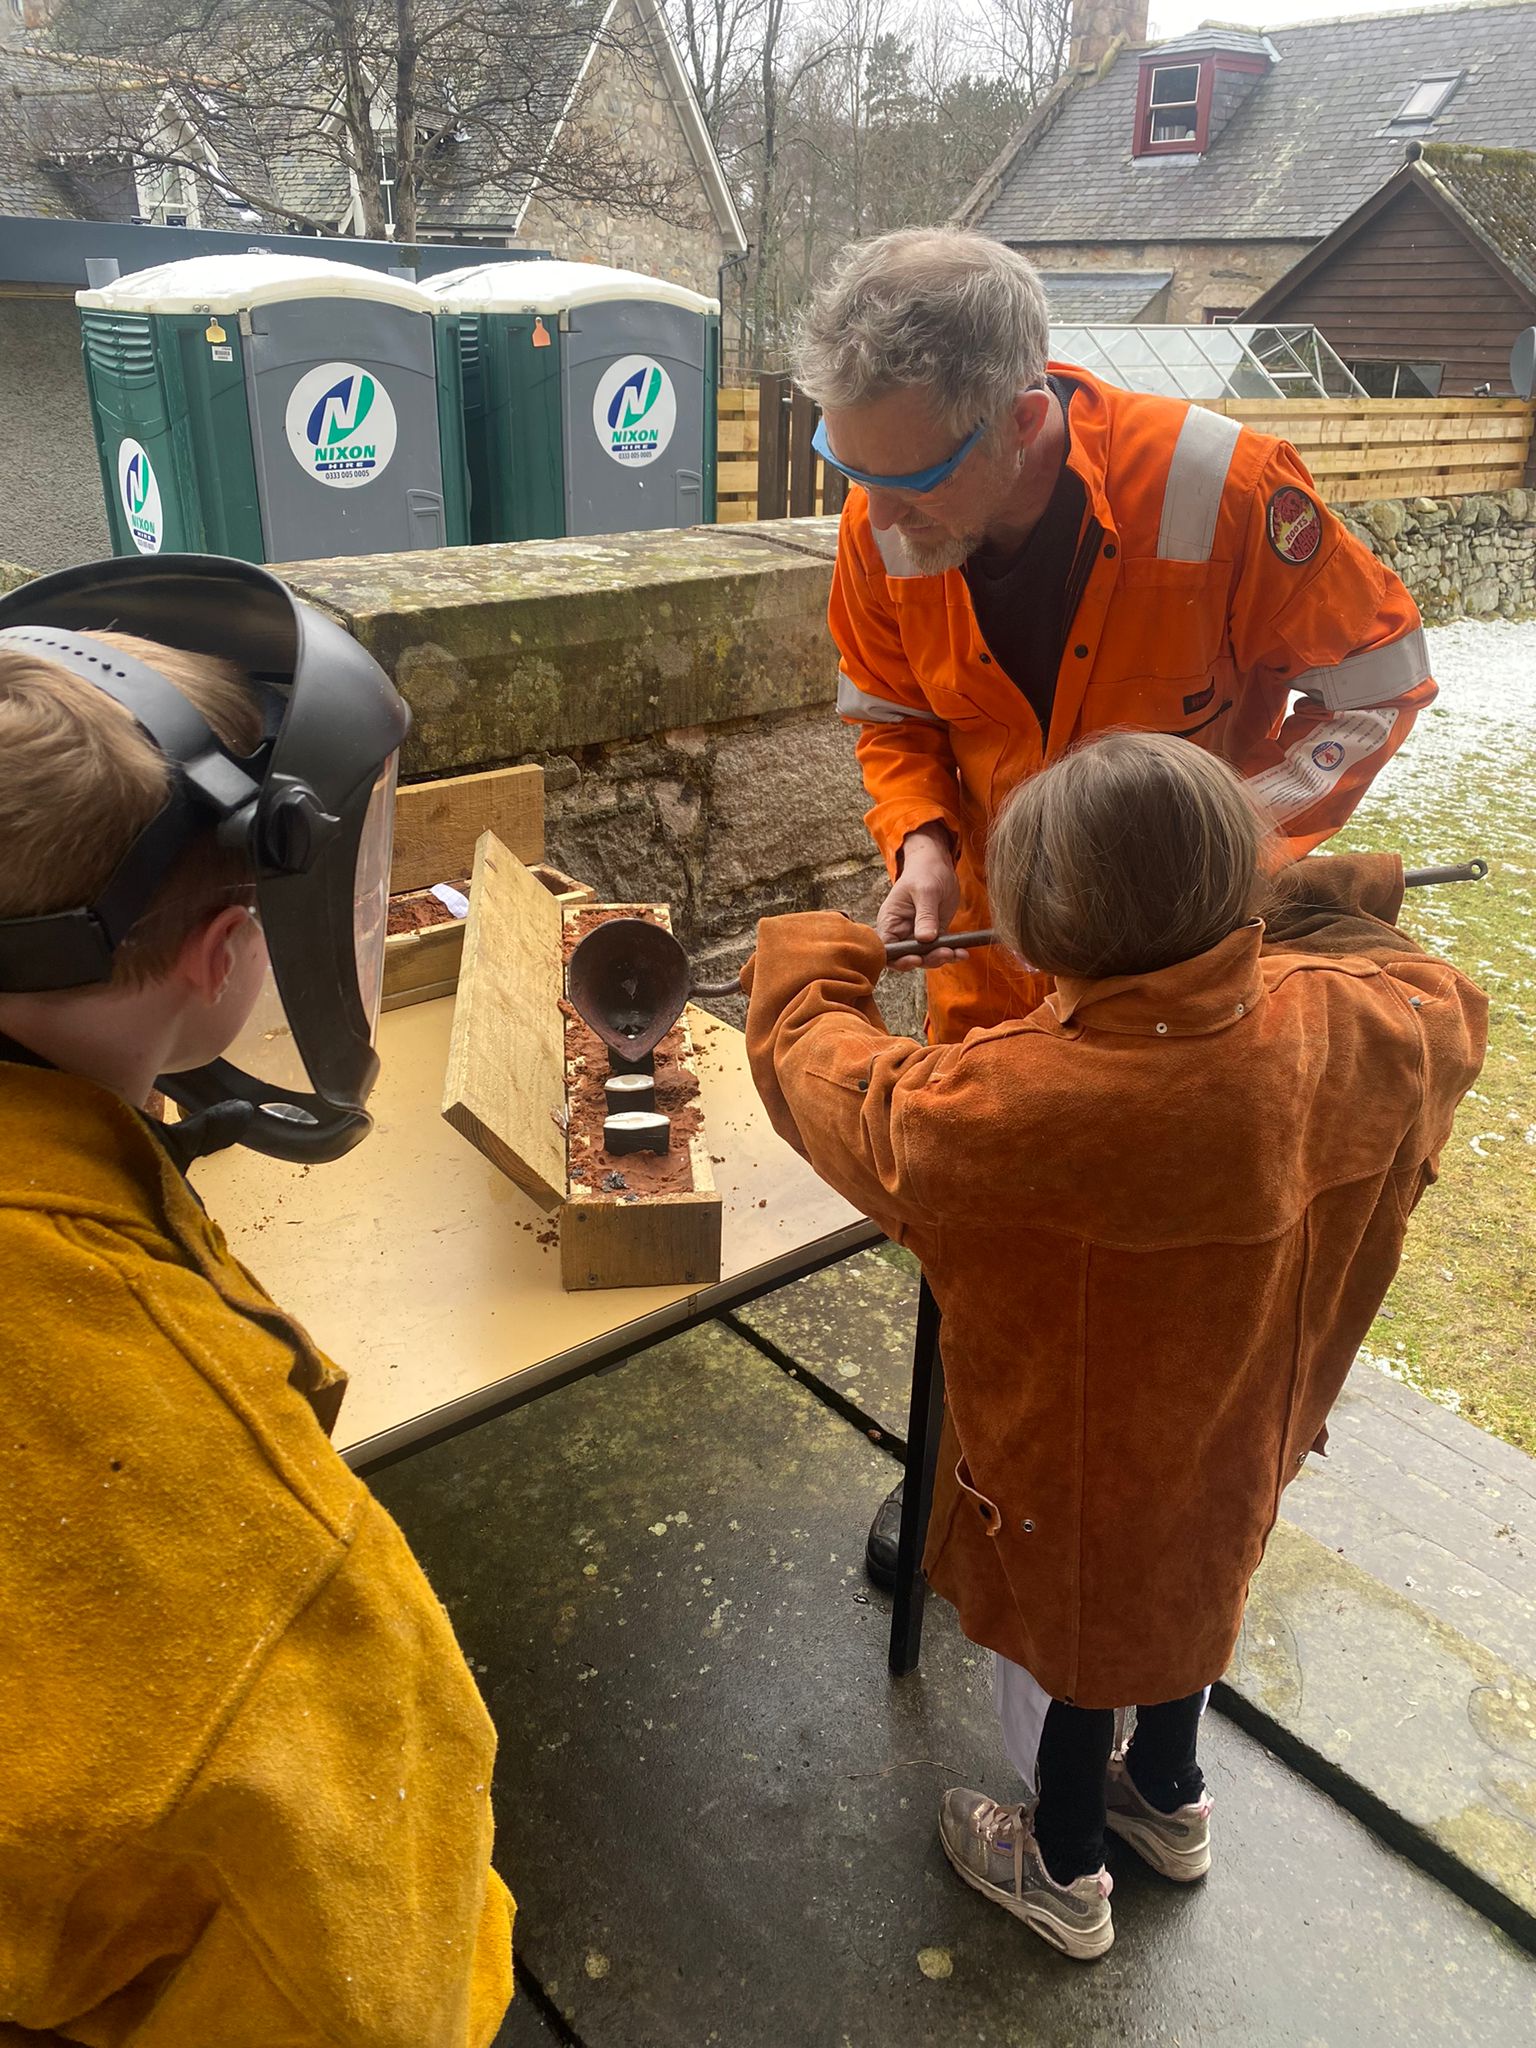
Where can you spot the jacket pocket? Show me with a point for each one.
(1163, 662)
(973, 1501)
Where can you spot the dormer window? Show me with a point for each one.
(1427, 99)
(1174, 110)
(1189, 89)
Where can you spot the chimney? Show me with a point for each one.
(1097, 23)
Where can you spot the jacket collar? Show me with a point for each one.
(1215, 989)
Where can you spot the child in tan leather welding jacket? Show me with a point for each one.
(1158, 1215)
(244, 1770)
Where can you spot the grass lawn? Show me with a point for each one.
(1460, 1322)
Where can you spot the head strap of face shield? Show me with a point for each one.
(210, 790)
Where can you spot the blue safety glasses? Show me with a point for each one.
(918, 481)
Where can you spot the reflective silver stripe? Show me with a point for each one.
(1197, 476)
(852, 702)
(1375, 677)
(1316, 761)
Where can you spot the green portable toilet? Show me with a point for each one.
(589, 398)
(277, 408)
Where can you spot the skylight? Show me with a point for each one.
(1427, 99)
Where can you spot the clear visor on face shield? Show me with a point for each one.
(267, 1048)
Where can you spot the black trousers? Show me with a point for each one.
(1075, 1746)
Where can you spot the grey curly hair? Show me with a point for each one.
(955, 313)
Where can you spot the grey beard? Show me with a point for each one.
(938, 557)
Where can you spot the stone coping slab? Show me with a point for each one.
(544, 646)
(717, 1810)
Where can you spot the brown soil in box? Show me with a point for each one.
(593, 1173)
(419, 908)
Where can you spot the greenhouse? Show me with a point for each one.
(1236, 361)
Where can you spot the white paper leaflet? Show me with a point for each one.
(1317, 760)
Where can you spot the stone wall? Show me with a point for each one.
(677, 689)
(1222, 275)
(51, 510)
(1472, 557)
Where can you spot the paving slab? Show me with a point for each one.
(525, 2026)
(1430, 1505)
(848, 1331)
(1426, 1732)
(1411, 1500)
(717, 1809)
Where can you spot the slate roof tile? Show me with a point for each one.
(1304, 149)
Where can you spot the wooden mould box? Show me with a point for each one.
(436, 827)
(508, 1089)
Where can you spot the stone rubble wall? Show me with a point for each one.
(1472, 557)
(678, 691)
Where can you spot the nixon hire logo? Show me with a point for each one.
(139, 492)
(341, 425)
(634, 410)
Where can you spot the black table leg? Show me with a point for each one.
(924, 1420)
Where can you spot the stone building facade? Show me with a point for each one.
(1208, 277)
(625, 96)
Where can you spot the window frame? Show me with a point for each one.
(1205, 70)
(1449, 80)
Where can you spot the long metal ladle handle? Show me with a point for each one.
(963, 942)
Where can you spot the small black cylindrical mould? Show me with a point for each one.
(636, 1130)
(630, 1091)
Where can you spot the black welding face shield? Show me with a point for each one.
(312, 809)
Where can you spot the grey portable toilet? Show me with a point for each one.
(590, 398)
(273, 407)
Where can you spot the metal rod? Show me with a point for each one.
(1464, 871)
(963, 942)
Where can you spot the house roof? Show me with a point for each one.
(1312, 140)
(1489, 193)
(467, 188)
(1237, 42)
(1090, 298)
(28, 184)
(1494, 192)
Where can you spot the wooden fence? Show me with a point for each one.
(768, 468)
(1363, 448)
(1357, 448)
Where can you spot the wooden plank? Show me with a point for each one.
(1461, 483)
(425, 959)
(735, 511)
(773, 447)
(562, 887)
(668, 1241)
(422, 964)
(1252, 410)
(736, 437)
(1416, 455)
(738, 476)
(1387, 433)
(505, 1084)
(438, 823)
(802, 456)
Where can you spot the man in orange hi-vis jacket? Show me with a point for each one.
(1032, 555)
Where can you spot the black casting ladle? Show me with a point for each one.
(631, 980)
